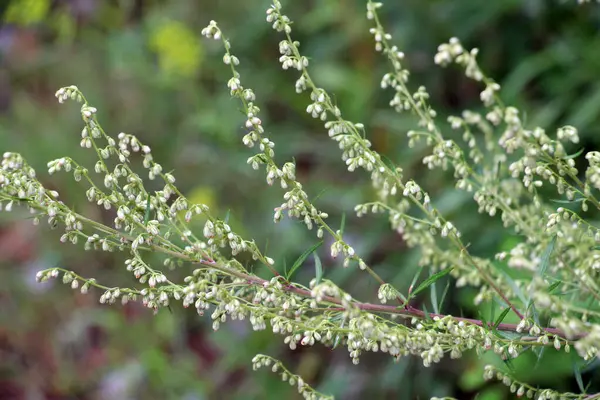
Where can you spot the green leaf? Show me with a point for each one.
(539, 352)
(509, 362)
(336, 342)
(545, 262)
(318, 269)
(578, 200)
(552, 287)
(514, 287)
(578, 378)
(227, 215)
(319, 194)
(546, 256)
(575, 155)
(300, 260)
(433, 296)
(444, 295)
(412, 284)
(590, 365)
(509, 335)
(497, 171)
(483, 319)
(501, 317)
(147, 213)
(500, 302)
(338, 337)
(536, 316)
(343, 223)
(427, 316)
(429, 281)
(389, 163)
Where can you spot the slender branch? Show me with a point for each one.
(371, 307)
(487, 278)
(255, 280)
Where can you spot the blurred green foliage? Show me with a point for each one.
(143, 64)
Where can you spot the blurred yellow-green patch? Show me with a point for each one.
(64, 26)
(177, 47)
(27, 12)
(203, 195)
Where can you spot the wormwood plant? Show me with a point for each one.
(500, 161)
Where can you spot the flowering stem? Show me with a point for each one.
(406, 310)
(370, 307)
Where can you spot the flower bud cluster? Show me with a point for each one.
(592, 173)
(307, 392)
(521, 389)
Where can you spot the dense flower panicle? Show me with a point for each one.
(500, 162)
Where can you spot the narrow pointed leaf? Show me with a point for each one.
(574, 155)
(389, 163)
(497, 171)
(429, 281)
(319, 195)
(300, 260)
(343, 223)
(539, 352)
(501, 317)
(412, 284)
(534, 313)
(444, 295)
(509, 363)
(553, 287)
(336, 342)
(590, 365)
(509, 335)
(515, 288)
(560, 201)
(147, 213)
(318, 268)
(483, 319)
(433, 296)
(546, 256)
(427, 316)
(338, 337)
(578, 378)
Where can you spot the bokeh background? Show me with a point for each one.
(145, 66)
